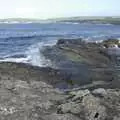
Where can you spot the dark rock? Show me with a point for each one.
(83, 62)
(70, 41)
(28, 73)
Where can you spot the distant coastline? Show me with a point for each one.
(81, 19)
(93, 19)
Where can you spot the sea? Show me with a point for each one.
(23, 42)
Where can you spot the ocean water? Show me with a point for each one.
(22, 42)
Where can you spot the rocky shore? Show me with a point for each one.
(85, 63)
(82, 84)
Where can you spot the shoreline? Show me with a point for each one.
(74, 62)
(45, 93)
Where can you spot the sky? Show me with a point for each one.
(44, 9)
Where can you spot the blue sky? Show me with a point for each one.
(58, 8)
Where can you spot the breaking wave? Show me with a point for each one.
(35, 57)
(32, 56)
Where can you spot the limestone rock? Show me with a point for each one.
(71, 107)
(100, 91)
(83, 104)
(93, 109)
(61, 117)
(79, 94)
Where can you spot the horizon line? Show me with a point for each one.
(58, 17)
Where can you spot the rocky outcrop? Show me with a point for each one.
(33, 99)
(84, 62)
(86, 107)
(95, 105)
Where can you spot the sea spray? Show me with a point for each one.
(35, 57)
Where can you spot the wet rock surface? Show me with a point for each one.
(84, 62)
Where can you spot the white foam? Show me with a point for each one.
(34, 55)
(17, 60)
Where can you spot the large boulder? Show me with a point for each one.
(82, 62)
(84, 105)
